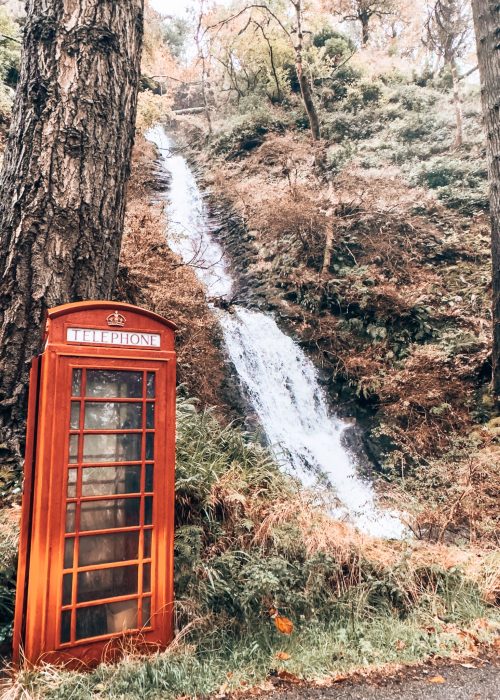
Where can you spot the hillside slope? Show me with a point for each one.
(372, 248)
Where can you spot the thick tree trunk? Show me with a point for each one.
(487, 25)
(305, 88)
(457, 104)
(63, 185)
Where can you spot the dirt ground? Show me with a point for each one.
(477, 680)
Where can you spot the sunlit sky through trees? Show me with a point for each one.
(172, 7)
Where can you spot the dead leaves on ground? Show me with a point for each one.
(437, 679)
(287, 677)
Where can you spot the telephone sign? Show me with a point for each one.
(96, 548)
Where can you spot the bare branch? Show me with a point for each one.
(241, 12)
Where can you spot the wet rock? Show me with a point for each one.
(353, 440)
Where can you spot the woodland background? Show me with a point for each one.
(371, 146)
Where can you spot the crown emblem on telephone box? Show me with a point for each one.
(116, 319)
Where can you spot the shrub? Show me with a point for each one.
(371, 93)
(364, 95)
(414, 98)
(6, 101)
(337, 157)
(151, 109)
(467, 201)
(443, 171)
(342, 126)
(245, 132)
(418, 128)
(8, 557)
(337, 43)
(462, 185)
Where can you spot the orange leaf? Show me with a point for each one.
(437, 679)
(282, 655)
(400, 645)
(288, 677)
(340, 677)
(283, 624)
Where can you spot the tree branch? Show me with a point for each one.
(256, 6)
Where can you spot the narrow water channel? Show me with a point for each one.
(278, 378)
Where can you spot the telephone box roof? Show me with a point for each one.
(64, 309)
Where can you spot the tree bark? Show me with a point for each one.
(305, 88)
(204, 71)
(364, 18)
(457, 104)
(327, 252)
(486, 15)
(63, 185)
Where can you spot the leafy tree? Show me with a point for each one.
(448, 34)
(364, 11)
(175, 33)
(328, 58)
(10, 48)
(10, 52)
(290, 22)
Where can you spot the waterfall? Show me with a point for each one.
(279, 379)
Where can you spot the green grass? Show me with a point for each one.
(247, 538)
(220, 659)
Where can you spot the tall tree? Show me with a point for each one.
(305, 86)
(293, 30)
(63, 185)
(448, 30)
(486, 15)
(202, 50)
(364, 11)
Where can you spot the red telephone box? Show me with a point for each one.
(96, 548)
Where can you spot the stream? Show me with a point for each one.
(279, 380)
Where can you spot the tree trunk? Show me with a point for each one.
(487, 22)
(204, 93)
(305, 88)
(204, 72)
(63, 185)
(327, 252)
(457, 104)
(364, 18)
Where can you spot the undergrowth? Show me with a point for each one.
(247, 538)
(218, 662)
(379, 265)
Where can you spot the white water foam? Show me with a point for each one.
(279, 379)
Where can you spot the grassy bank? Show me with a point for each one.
(247, 538)
(220, 663)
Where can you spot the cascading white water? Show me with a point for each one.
(280, 381)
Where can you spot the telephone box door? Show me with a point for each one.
(110, 543)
